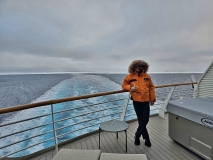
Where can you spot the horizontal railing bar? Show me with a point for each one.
(24, 120)
(185, 94)
(26, 148)
(63, 134)
(51, 122)
(51, 131)
(154, 109)
(57, 129)
(130, 114)
(26, 130)
(44, 103)
(85, 121)
(85, 114)
(130, 110)
(88, 105)
(82, 128)
(175, 90)
(76, 130)
(179, 95)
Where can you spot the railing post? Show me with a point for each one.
(54, 131)
(125, 108)
(163, 106)
(195, 86)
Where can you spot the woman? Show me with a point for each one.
(141, 88)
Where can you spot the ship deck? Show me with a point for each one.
(163, 147)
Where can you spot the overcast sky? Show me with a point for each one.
(105, 35)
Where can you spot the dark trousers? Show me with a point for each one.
(142, 110)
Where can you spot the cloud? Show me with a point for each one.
(105, 36)
(43, 24)
(17, 62)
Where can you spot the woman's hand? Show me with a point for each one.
(152, 103)
(133, 89)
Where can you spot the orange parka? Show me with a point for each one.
(145, 89)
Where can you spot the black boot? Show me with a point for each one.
(137, 140)
(148, 143)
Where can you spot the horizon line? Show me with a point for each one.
(22, 73)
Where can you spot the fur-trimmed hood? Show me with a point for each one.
(136, 63)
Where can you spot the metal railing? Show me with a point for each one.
(56, 126)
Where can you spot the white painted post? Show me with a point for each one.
(195, 86)
(125, 108)
(163, 106)
(54, 131)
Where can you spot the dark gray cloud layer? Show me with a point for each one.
(105, 36)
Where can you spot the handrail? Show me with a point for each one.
(177, 84)
(49, 102)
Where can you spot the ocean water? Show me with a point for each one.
(23, 89)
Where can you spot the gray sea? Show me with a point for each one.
(23, 89)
